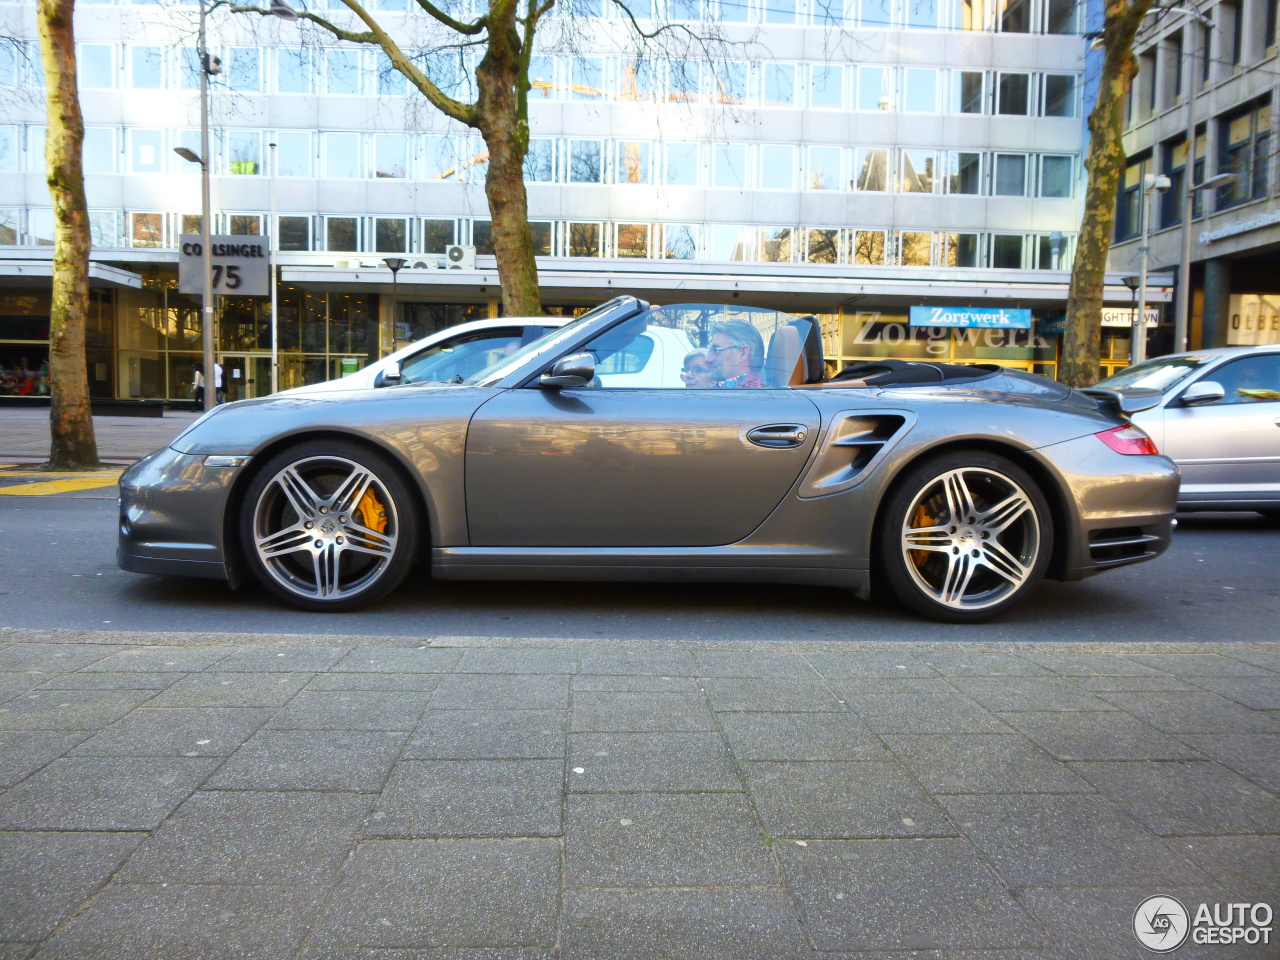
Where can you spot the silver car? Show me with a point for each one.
(955, 489)
(1218, 418)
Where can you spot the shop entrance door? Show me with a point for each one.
(246, 376)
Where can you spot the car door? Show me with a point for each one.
(607, 466)
(1230, 449)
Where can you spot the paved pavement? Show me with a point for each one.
(217, 796)
(24, 434)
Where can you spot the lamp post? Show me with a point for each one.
(1057, 243)
(211, 66)
(1138, 338)
(273, 248)
(395, 264)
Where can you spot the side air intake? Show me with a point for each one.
(851, 444)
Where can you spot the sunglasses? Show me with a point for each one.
(716, 351)
(700, 368)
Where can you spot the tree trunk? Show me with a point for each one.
(505, 129)
(1082, 338)
(70, 420)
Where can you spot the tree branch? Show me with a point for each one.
(467, 29)
(349, 35)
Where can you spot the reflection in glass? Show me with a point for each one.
(873, 169)
(391, 156)
(876, 13)
(679, 241)
(436, 235)
(731, 243)
(1013, 94)
(1006, 252)
(293, 71)
(293, 153)
(727, 81)
(295, 233)
(243, 70)
(966, 173)
(874, 89)
(342, 154)
(99, 153)
(586, 161)
(633, 163)
(914, 249)
(588, 78)
(584, 239)
(824, 168)
(342, 74)
(245, 225)
(391, 235)
(779, 84)
(967, 91)
(917, 171)
(147, 67)
(682, 164)
(730, 164)
(1059, 95)
(826, 86)
(244, 152)
(440, 159)
(95, 66)
(962, 250)
(822, 246)
(921, 93)
(778, 244)
(1055, 176)
(632, 240)
(1011, 175)
(340, 234)
(922, 14)
(539, 162)
(146, 150)
(777, 166)
(868, 247)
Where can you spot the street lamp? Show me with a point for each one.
(395, 264)
(1138, 342)
(1057, 244)
(211, 66)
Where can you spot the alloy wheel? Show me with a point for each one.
(971, 538)
(325, 528)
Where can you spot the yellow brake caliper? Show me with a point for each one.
(920, 519)
(372, 513)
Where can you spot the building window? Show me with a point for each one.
(632, 240)
(682, 164)
(188, 68)
(875, 88)
(391, 156)
(244, 225)
(244, 69)
(1129, 207)
(342, 234)
(342, 72)
(391, 82)
(876, 14)
(1013, 90)
(965, 175)
(777, 166)
(146, 68)
(962, 250)
(682, 80)
(1245, 141)
(146, 151)
(293, 71)
(440, 159)
(436, 235)
(8, 65)
(146, 229)
(40, 227)
(582, 239)
(779, 84)
(1011, 175)
(777, 244)
(539, 162)
(586, 161)
(293, 153)
(95, 66)
(244, 153)
(823, 168)
(826, 86)
(822, 246)
(1269, 24)
(99, 154)
(104, 229)
(679, 241)
(914, 249)
(731, 243)
(728, 81)
(588, 78)
(967, 87)
(1059, 95)
(8, 227)
(920, 90)
(775, 11)
(9, 152)
(1006, 252)
(916, 174)
(730, 165)
(1015, 16)
(295, 233)
(1174, 165)
(1056, 176)
(868, 247)
(540, 231)
(391, 235)
(634, 162)
(1061, 16)
(829, 13)
(922, 14)
(871, 166)
(342, 154)
(1235, 28)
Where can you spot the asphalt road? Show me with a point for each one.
(57, 570)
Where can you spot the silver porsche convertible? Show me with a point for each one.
(955, 489)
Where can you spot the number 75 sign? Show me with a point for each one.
(239, 265)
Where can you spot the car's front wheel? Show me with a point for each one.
(329, 525)
(964, 537)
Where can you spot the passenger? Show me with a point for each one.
(737, 354)
(697, 370)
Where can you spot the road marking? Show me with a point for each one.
(67, 485)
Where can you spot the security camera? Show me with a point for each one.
(1158, 183)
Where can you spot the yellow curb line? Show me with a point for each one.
(58, 486)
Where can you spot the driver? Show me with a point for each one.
(737, 354)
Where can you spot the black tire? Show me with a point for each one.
(313, 553)
(962, 571)
(1273, 515)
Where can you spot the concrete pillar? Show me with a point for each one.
(1217, 302)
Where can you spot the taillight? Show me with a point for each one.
(1129, 440)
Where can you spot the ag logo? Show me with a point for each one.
(1161, 924)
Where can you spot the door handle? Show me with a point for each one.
(778, 435)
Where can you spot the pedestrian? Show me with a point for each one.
(219, 391)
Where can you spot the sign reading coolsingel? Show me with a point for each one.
(239, 265)
(997, 318)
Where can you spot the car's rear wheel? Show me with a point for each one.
(964, 537)
(329, 525)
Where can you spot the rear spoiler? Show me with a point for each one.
(1125, 402)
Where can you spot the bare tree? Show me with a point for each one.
(1105, 163)
(70, 419)
(502, 39)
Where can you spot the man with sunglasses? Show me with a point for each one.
(737, 354)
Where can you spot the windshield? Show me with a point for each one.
(504, 365)
(1157, 374)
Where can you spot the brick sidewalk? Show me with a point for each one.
(249, 797)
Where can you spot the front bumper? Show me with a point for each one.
(173, 510)
(1122, 506)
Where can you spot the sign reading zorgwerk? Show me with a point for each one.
(998, 318)
(239, 265)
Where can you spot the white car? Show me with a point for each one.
(460, 351)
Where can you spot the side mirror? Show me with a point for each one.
(389, 376)
(576, 370)
(1202, 391)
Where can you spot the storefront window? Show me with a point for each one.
(24, 345)
(244, 324)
